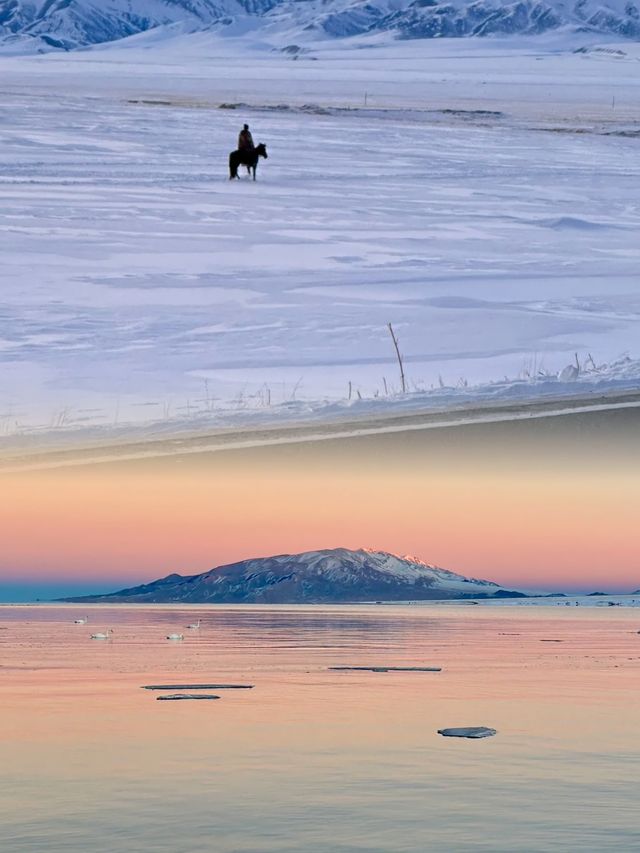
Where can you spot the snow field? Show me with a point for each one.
(139, 284)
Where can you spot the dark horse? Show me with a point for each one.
(246, 158)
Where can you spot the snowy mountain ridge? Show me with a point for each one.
(68, 24)
(338, 575)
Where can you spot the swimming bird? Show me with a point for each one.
(175, 636)
(195, 626)
(82, 621)
(104, 636)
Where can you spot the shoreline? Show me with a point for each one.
(586, 600)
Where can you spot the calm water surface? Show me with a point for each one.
(314, 760)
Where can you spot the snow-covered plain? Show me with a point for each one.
(483, 200)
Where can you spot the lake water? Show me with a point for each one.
(312, 759)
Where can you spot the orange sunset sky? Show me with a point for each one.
(520, 523)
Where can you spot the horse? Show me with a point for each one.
(246, 158)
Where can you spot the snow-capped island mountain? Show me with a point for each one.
(336, 576)
(68, 24)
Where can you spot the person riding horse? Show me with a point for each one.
(246, 154)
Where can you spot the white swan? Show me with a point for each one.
(104, 636)
(195, 626)
(175, 636)
(82, 621)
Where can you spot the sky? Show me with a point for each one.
(547, 512)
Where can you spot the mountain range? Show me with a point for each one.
(337, 575)
(69, 24)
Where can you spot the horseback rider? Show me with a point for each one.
(245, 140)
